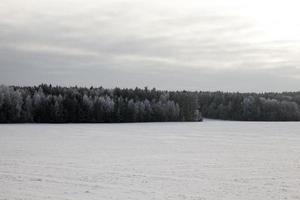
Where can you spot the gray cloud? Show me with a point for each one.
(137, 43)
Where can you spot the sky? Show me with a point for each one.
(227, 45)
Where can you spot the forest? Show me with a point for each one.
(47, 104)
(56, 104)
(250, 106)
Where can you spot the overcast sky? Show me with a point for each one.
(232, 45)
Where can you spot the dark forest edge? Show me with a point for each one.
(48, 104)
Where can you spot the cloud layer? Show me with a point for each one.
(169, 45)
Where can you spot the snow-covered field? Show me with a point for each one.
(148, 161)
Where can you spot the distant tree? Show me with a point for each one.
(55, 104)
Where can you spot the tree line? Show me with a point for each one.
(47, 104)
(250, 106)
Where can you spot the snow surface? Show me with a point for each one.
(148, 161)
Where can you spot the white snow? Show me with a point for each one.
(150, 161)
